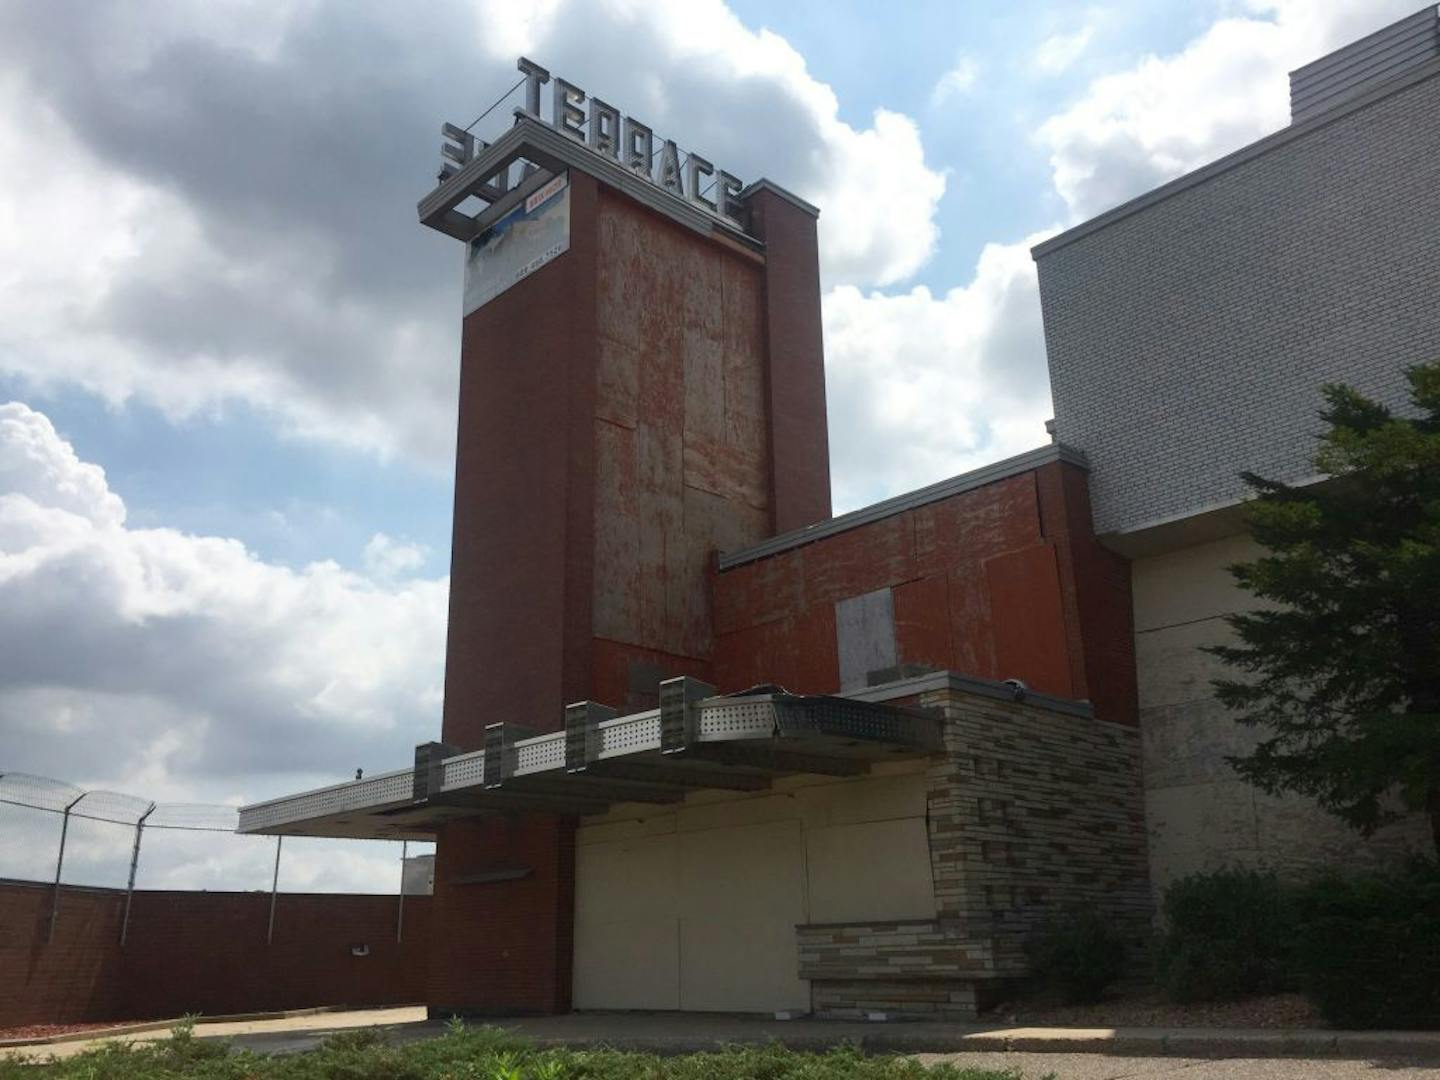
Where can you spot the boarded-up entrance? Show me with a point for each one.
(695, 908)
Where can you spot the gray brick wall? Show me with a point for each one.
(1188, 340)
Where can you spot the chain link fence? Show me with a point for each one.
(60, 834)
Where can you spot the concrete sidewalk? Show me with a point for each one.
(1081, 1053)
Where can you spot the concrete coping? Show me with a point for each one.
(794, 200)
(932, 681)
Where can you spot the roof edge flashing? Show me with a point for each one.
(1296, 130)
(794, 200)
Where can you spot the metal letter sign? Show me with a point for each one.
(521, 242)
(609, 133)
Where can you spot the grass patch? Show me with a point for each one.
(467, 1053)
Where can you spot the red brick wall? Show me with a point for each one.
(1005, 580)
(206, 952)
(523, 535)
(795, 388)
(202, 952)
(503, 946)
(73, 978)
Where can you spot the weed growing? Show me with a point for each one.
(466, 1052)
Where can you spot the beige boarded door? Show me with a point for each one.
(695, 907)
(701, 920)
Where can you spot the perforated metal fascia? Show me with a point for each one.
(723, 719)
(463, 771)
(630, 734)
(373, 792)
(540, 754)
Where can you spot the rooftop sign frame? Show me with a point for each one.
(617, 150)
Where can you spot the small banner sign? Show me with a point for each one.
(520, 243)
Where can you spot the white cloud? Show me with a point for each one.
(922, 387)
(1133, 130)
(958, 80)
(386, 558)
(746, 100)
(272, 261)
(1059, 51)
(182, 667)
(217, 211)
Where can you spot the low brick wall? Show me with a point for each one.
(71, 979)
(914, 967)
(202, 952)
(894, 950)
(920, 999)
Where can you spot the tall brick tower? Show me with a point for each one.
(642, 386)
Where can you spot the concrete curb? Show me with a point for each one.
(160, 1025)
(1213, 1043)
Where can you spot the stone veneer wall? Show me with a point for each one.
(1035, 807)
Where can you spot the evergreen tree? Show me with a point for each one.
(1341, 669)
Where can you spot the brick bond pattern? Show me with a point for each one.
(202, 952)
(1031, 812)
(1188, 340)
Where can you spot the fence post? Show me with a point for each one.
(134, 862)
(274, 887)
(59, 863)
(400, 908)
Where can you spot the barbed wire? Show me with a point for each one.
(58, 797)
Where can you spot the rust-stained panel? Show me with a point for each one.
(617, 529)
(682, 363)
(1028, 620)
(861, 560)
(797, 652)
(922, 622)
(617, 382)
(759, 592)
(997, 517)
(971, 642)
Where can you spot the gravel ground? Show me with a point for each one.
(1150, 1009)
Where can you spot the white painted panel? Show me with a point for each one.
(742, 894)
(871, 871)
(627, 964)
(626, 936)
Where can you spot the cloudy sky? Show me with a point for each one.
(228, 352)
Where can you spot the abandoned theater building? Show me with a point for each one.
(706, 746)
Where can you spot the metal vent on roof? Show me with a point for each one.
(1346, 73)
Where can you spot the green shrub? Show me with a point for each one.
(1228, 934)
(1079, 954)
(1368, 947)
